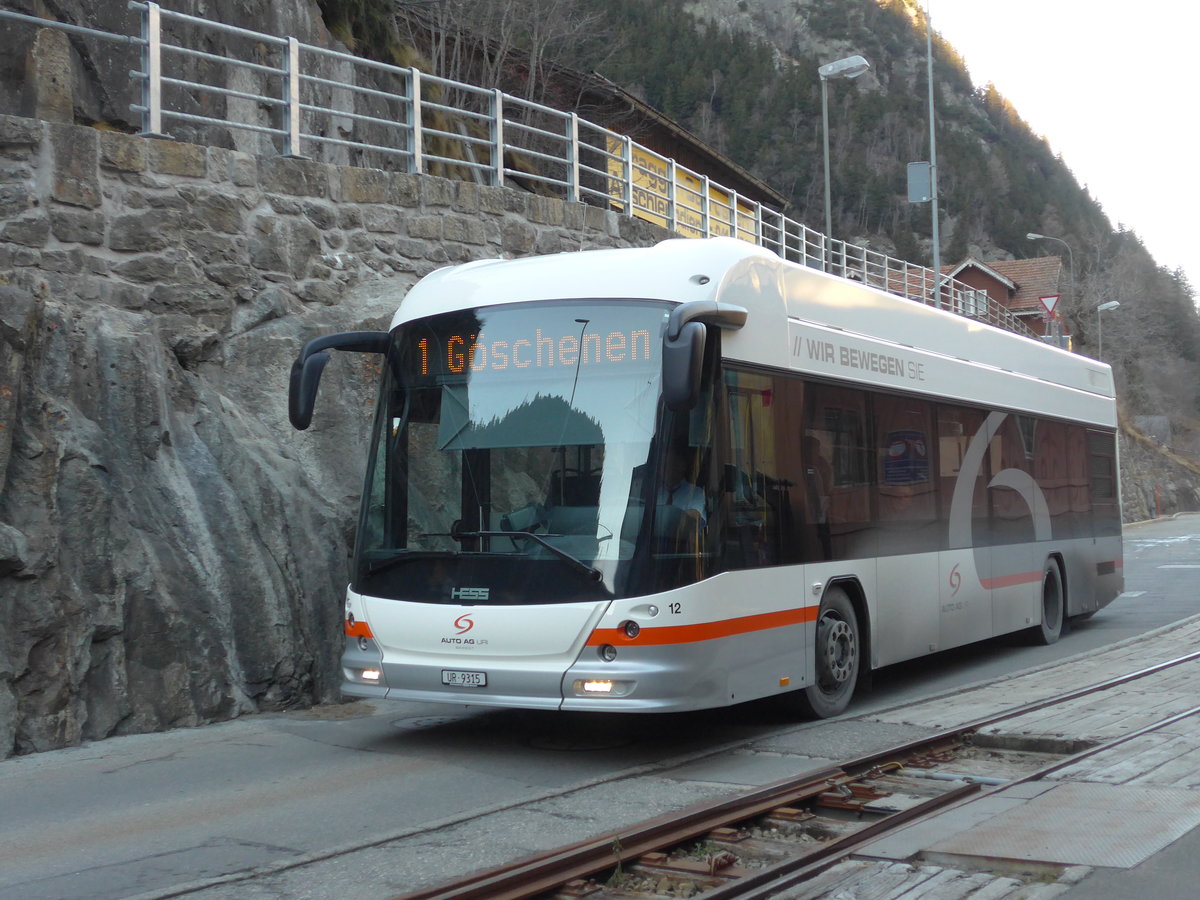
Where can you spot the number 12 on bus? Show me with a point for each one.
(695, 474)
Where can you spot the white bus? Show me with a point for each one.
(694, 475)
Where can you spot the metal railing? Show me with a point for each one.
(301, 100)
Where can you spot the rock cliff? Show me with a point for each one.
(171, 551)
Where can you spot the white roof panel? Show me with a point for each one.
(801, 319)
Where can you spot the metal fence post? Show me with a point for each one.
(705, 207)
(291, 99)
(151, 73)
(416, 161)
(673, 218)
(573, 159)
(497, 136)
(627, 163)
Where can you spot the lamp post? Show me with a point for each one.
(1111, 304)
(849, 68)
(1034, 236)
(933, 188)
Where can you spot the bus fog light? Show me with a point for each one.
(362, 643)
(607, 652)
(372, 675)
(602, 687)
(632, 629)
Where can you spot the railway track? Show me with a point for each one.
(770, 839)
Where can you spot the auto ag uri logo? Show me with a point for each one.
(464, 623)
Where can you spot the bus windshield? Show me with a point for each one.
(509, 453)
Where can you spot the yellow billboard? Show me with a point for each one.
(652, 196)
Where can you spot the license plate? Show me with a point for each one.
(456, 678)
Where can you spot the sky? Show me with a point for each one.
(1110, 85)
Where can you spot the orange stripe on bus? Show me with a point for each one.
(359, 629)
(1004, 581)
(704, 631)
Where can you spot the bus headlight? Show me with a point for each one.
(607, 652)
(632, 629)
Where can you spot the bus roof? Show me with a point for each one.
(800, 319)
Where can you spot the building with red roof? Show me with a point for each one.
(1019, 285)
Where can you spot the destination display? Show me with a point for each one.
(536, 340)
(541, 350)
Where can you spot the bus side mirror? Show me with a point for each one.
(302, 389)
(683, 357)
(306, 370)
(683, 347)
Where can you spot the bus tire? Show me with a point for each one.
(1054, 606)
(838, 657)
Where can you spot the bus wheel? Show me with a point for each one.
(1053, 606)
(837, 658)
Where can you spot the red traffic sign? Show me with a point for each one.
(1048, 304)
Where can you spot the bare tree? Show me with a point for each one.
(507, 44)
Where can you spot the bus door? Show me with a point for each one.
(965, 566)
(1020, 522)
(908, 529)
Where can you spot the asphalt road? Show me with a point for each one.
(138, 815)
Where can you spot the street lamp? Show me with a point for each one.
(1034, 236)
(1111, 304)
(933, 184)
(849, 68)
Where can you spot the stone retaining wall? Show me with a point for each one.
(1152, 483)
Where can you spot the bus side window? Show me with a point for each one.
(956, 426)
(907, 490)
(1011, 517)
(1102, 480)
(837, 419)
(756, 496)
(1077, 477)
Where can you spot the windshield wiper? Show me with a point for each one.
(592, 573)
(374, 567)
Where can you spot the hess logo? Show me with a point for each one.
(464, 623)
